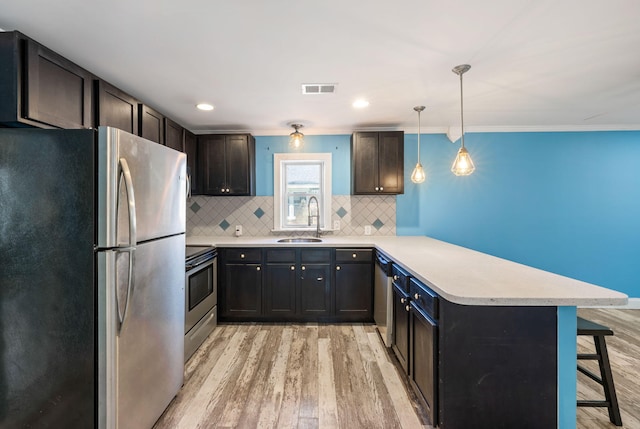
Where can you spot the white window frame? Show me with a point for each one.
(280, 160)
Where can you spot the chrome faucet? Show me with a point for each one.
(317, 215)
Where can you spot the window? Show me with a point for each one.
(297, 178)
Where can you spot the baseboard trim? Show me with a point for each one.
(633, 304)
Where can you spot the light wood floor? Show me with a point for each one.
(340, 376)
(624, 354)
(292, 376)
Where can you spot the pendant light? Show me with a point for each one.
(462, 165)
(296, 138)
(418, 174)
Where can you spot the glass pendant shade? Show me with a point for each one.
(296, 138)
(462, 165)
(418, 174)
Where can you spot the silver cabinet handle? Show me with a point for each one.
(242, 256)
(395, 277)
(292, 268)
(403, 300)
(381, 188)
(416, 296)
(407, 308)
(319, 279)
(228, 190)
(258, 268)
(376, 188)
(355, 255)
(303, 268)
(338, 268)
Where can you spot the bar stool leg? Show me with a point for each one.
(607, 380)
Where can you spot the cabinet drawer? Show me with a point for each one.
(400, 278)
(248, 255)
(281, 255)
(322, 256)
(354, 255)
(424, 298)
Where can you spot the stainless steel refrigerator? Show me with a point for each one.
(92, 227)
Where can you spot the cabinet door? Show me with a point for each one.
(280, 291)
(151, 125)
(401, 327)
(211, 155)
(173, 135)
(423, 361)
(364, 159)
(353, 291)
(315, 290)
(191, 149)
(238, 161)
(243, 291)
(57, 92)
(116, 108)
(391, 162)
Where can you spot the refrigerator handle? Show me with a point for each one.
(188, 186)
(131, 204)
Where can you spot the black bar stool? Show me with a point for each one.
(598, 332)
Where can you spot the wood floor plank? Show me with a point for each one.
(309, 388)
(327, 405)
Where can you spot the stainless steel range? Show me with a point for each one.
(200, 296)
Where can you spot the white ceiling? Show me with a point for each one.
(536, 64)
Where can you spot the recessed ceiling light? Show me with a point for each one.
(204, 106)
(360, 104)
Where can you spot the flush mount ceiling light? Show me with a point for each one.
(204, 106)
(418, 174)
(296, 138)
(360, 104)
(462, 165)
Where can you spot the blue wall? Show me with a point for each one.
(564, 202)
(568, 203)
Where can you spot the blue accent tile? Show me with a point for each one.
(224, 224)
(195, 207)
(341, 212)
(259, 213)
(377, 224)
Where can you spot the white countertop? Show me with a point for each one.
(458, 274)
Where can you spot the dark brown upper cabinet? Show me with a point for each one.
(191, 149)
(115, 108)
(377, 163)
(174, 135)
(226, 164)
(151, 124)
(41, 88)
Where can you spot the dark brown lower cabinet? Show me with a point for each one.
(400, 344)
(424, 360)
(353, 280)
(315, 291)
(280, 299)
(244, 290)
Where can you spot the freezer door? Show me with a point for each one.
(157, 193)
(141, 361)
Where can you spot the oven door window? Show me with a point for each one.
(200, 286)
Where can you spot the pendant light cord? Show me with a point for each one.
(418, 137)
(461, 112)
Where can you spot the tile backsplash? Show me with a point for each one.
(218, 216)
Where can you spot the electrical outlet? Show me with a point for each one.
(238, 230)
(336, 225)
(367, 230)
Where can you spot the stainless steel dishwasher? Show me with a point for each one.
(383, 299)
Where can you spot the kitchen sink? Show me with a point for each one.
(300, 240)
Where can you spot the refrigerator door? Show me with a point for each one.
(159, 183)
(141, 362)
(47, 293)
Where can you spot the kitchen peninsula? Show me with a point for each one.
(506, 334)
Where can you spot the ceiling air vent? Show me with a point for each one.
(318, 88)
